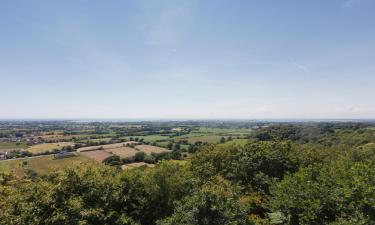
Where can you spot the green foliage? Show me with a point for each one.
(139, 157)
(74, 196)
(298, 174)
(214, 203)
(113, 160)
(96, 195)
(256, 165)
(337, 192)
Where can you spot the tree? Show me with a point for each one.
(80, 195)
(113, 160)
(169, 145)
(214, 204)
(337, 192)
(256, 165)
(139, 156)
(177, 147)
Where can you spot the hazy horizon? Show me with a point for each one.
(166, 59)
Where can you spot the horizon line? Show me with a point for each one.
(185, 119)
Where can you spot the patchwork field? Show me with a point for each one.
(211, 139)
(46, 164)
(148, 149)
(97, 155)
(42, 148)
(6, 146)
(123, 152)
(150, 138)
(60, 137)
(42, 164)
(97, 140)
(105, 147)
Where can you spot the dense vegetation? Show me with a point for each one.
(318, 173)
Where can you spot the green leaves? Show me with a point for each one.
(255, 166)
(328, 193)
(215, 203)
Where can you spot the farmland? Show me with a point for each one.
(163, 162)
(41, 164)
(123, 152)
(150, 138)
(148, 149)
(211, 139)
(45, 147)
(5, 146)
(97, 155)
(107, 146)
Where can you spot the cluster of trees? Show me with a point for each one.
(276, 181)
(142, 157)
(325, 134)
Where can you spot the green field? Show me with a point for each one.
(98, 140)
(149, 138)
(11, 145)
(237, 142)
(211, 139)
(223, 131)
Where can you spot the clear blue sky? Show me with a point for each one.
(187, 59)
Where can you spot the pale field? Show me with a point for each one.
(57, 137)
(123, 152)
(42, 148)
(97, 155)
(99, 139)
(42, 165)
(148, 149)
(105, 147)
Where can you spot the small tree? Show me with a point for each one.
(139, 157)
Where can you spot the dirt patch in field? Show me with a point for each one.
(123, 152)
(148, 149)
(108, 146)
(97, 155)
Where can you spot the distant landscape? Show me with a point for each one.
(183, 172)
(187, 112)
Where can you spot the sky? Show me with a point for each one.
(194, 59)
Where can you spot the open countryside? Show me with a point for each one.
(187, 112)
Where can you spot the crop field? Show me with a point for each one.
(60, 137)
(41, 165)
(151, 138)
(97, 140)
(12, 167)
(97, 155)
(123, 152)
(223, 131)
(105, 147)
(5, 146)
(47, 164)
(211, 139)
(148, 149)
(42, 148)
